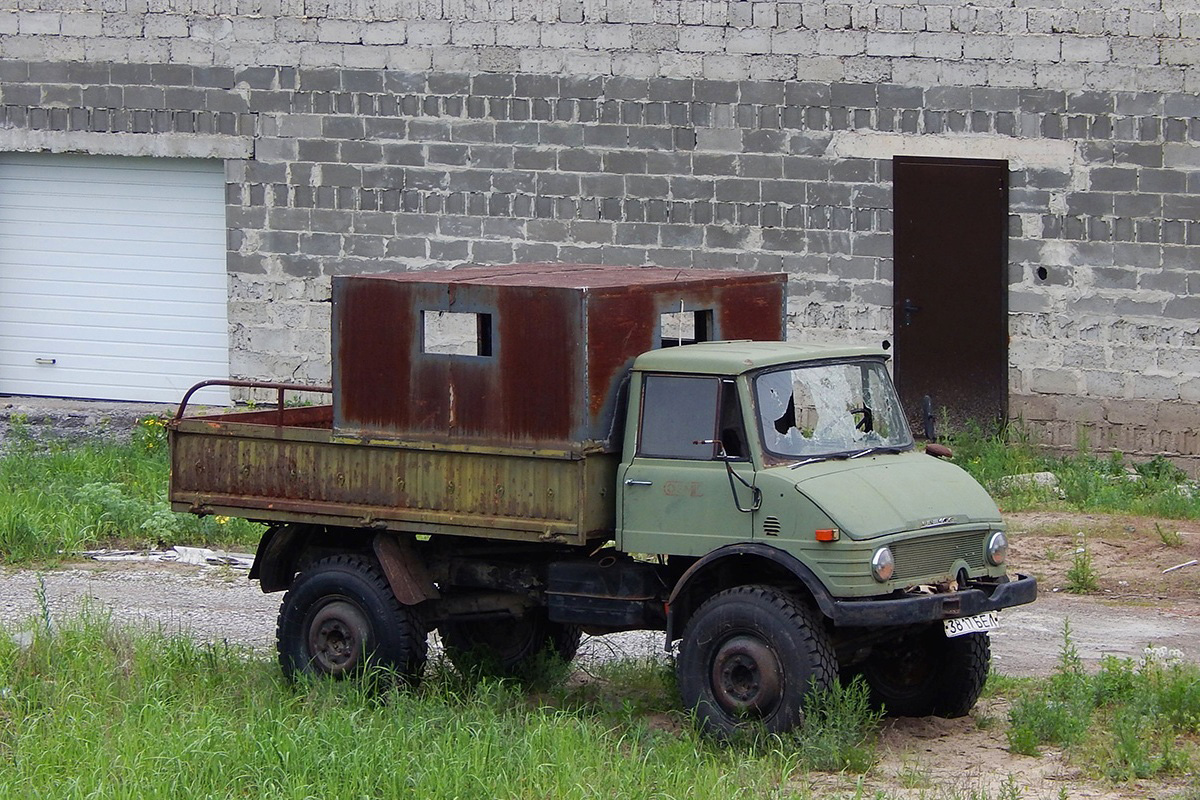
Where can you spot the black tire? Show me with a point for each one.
(508, 648)
(749, 658)
(340, 619)
(929, 674)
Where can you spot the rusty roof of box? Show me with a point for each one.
(564, 276)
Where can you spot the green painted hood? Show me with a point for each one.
(889, 493)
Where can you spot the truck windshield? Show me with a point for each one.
(830, 410)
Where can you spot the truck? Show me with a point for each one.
(514, 456)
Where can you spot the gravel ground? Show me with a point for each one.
(48, 416)
(220, 603)
(209, 603)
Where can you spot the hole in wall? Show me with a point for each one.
(456, 333)
(685, 327)
(1041, 273)
(887, 345)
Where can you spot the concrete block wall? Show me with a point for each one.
(740, 133)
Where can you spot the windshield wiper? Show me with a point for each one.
(813, 460)
(880, 449)
(849, 455)
(819, 459)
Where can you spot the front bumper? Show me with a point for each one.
(933, 607)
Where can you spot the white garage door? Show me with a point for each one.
(112, 277)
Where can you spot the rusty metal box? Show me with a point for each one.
(530, 355)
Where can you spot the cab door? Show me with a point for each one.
(677, 492)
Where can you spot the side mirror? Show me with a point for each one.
(755, 492)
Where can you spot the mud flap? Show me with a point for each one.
(404, 569)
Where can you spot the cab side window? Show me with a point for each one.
(677, 413)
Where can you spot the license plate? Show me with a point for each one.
(964, 625)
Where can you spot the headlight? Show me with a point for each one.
(997, 548)
(883, 565)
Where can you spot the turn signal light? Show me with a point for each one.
(827, 534)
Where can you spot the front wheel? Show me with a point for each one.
(340, 618)
(750, 656)
(929, 674)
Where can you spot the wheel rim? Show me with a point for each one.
(337, 636)
(747, 678)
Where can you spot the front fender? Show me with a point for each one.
(752, 562)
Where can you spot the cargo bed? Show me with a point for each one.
(288, 465)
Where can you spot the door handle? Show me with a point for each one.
(632, 482)
(909, 308)
(45, 361)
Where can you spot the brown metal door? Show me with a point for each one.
(951, 288)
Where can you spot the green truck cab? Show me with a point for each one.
(805, 453)
(762, 503)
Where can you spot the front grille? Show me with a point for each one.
(936, 553)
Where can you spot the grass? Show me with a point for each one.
(1128, 721)
(1087, 481)
(93, 710)
(62, 496)
(89, 709)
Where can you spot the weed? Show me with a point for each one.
(1010, 789)
(1081, 575)
(1171, 538)
(838, 732)
(913, 776)
(1161, 469)
(1087, 481)
(1130, 720)
(1060, 714)
(43, 602)
(983, 720)
(999, 684)
(1130, 752)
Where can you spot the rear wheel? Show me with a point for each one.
(750, 656)
(929, 674)
(508, 648)
(340, 619)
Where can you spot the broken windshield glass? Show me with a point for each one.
(830, 409)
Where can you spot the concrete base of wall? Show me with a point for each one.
(1141, 429)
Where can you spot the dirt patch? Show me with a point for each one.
(968, 759)
(1129, 555)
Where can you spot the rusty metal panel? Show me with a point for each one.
(304, 475)
(372, 336)
(565, 337)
